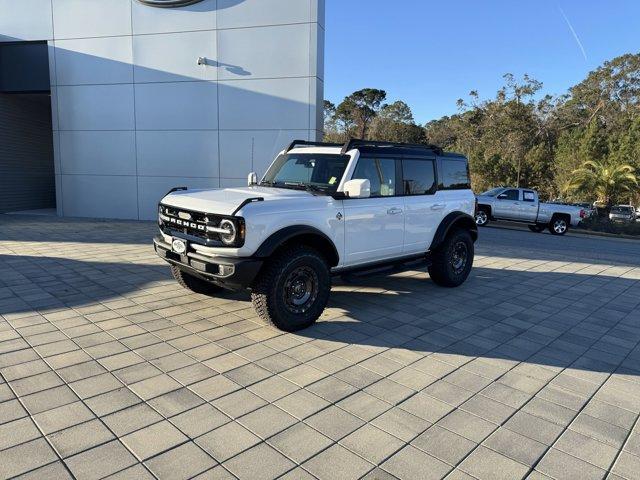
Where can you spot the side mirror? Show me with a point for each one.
(502, 196)
(252, 179)
(358, 188)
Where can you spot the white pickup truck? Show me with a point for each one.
(523, 205)
(322, 210)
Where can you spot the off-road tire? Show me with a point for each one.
(537, 228)
(195, 284)
(558, 231)
(442, 270)
(269, 293)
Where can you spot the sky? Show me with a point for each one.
(431, 53)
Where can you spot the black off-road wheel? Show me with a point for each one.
(292, 289)
(537, 228)
(452, 261)
(195, 284)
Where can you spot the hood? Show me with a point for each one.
(485, 197)
(225, 201)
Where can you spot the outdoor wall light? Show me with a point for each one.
(168, 3)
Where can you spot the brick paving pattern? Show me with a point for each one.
(109, 369)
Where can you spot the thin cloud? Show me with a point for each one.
(573, 32)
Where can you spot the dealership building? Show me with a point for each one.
(107, 104)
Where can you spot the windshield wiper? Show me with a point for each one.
(303, 186)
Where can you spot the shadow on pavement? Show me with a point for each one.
(583, 320)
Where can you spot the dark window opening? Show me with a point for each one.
(419, 177)
(510, 195)
(454, 175)
(381, 173)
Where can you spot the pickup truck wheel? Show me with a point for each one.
(558, 226)
(482, 217)
(452, 261)
(194, 284)
(293, 289)
(536, 228)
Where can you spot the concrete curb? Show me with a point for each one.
(605, 234)
(572, 232)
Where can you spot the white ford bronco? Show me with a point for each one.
(321, 210)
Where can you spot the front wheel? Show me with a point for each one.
(558, 226)
(293, 289)
(536, 228)
(482, 217)
(452, 261)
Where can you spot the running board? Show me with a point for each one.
(395, 266)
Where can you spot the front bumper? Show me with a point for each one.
(229, 272)
(620, 219)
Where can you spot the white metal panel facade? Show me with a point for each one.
(133, 112)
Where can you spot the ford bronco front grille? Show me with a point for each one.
(188, 222)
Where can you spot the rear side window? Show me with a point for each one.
(381, 173)
(454, 175)
(529, 196)
(419, 177)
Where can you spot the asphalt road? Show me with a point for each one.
(508, 241)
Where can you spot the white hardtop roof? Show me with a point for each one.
(316, 150)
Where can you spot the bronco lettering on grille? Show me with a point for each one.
(187, 224)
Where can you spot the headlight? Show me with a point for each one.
(229, 237)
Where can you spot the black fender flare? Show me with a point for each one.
(453, 220)
(306, 233)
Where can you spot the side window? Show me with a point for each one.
(529, 196)
(381, 173)
(510, 195)
(454, 175)
(419, 177)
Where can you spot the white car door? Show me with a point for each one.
(424, 206)
(374, 226)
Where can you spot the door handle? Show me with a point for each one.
(394, 211)
(437, 206)
(516, 203)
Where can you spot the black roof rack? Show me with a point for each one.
(356, 143)
(306, 143)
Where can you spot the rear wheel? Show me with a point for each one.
(537, 228)
(482, 217)
(558, 225)
(193, 283)
(293, 289)
(452, 261)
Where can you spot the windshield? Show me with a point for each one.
(321, 172)
(621, 210)
(493, 192)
